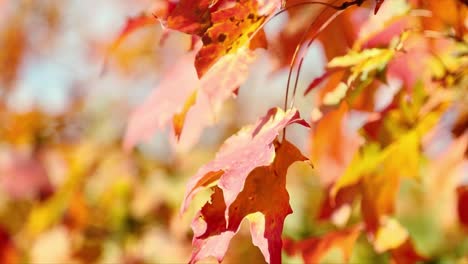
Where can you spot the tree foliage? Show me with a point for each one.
(386, 123)
(393, 49)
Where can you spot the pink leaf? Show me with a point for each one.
(163, 103)
(168, 100)
(250, 148)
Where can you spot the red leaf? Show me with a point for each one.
(406, 254)
(216, 223)
(232, 29)
(313, 249)
(332, 159)
(8, 251)
(250, 148)
(319, 80)
(344, 196)
(132, 24)
(249, 167)
(462, 204)
(378, 3)
(191, 16)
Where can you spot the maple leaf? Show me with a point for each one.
(344, 197)
(189, 103)
(250, 148)
(213, 232)
(364, 63)
(14, 44)
(215, 87)
(319, 80)
(332, 159)
(314, 249)
(363, 67)
(248, 168)
(379, 192)
(372, 159)
(190, 16)
(232, 29)
(132, 24)
(164, 103)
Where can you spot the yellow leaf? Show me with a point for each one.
(390, 235)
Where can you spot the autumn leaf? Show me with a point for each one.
(358, 68)
(406, 253)
(365, 62)
(315, 248)
(250, 148)
(8, 251)
(164, 103)
(132, 24)
(462, 204)
(331, 205)
(378, 30)
(390, 235)
(215, 87)
(445, 13)
(373, 159)
(379, 192)
(213, 232)
(190, 16)
(232, 29)
(23, 176)
(249, 167)
(185, 101)
(332, 159)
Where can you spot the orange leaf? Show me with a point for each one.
(264, 192)
(406, 254)
(232, 28)
(332, 145)
(249, 167)
(250, 148)
(191, 16)
(379, 192)
(313, 249)
(132, 24)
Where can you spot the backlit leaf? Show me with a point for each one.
(248, 168)
(315, 248)
(232, 29)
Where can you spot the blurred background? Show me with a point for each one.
(68, 191)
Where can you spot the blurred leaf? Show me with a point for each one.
(314, 249)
